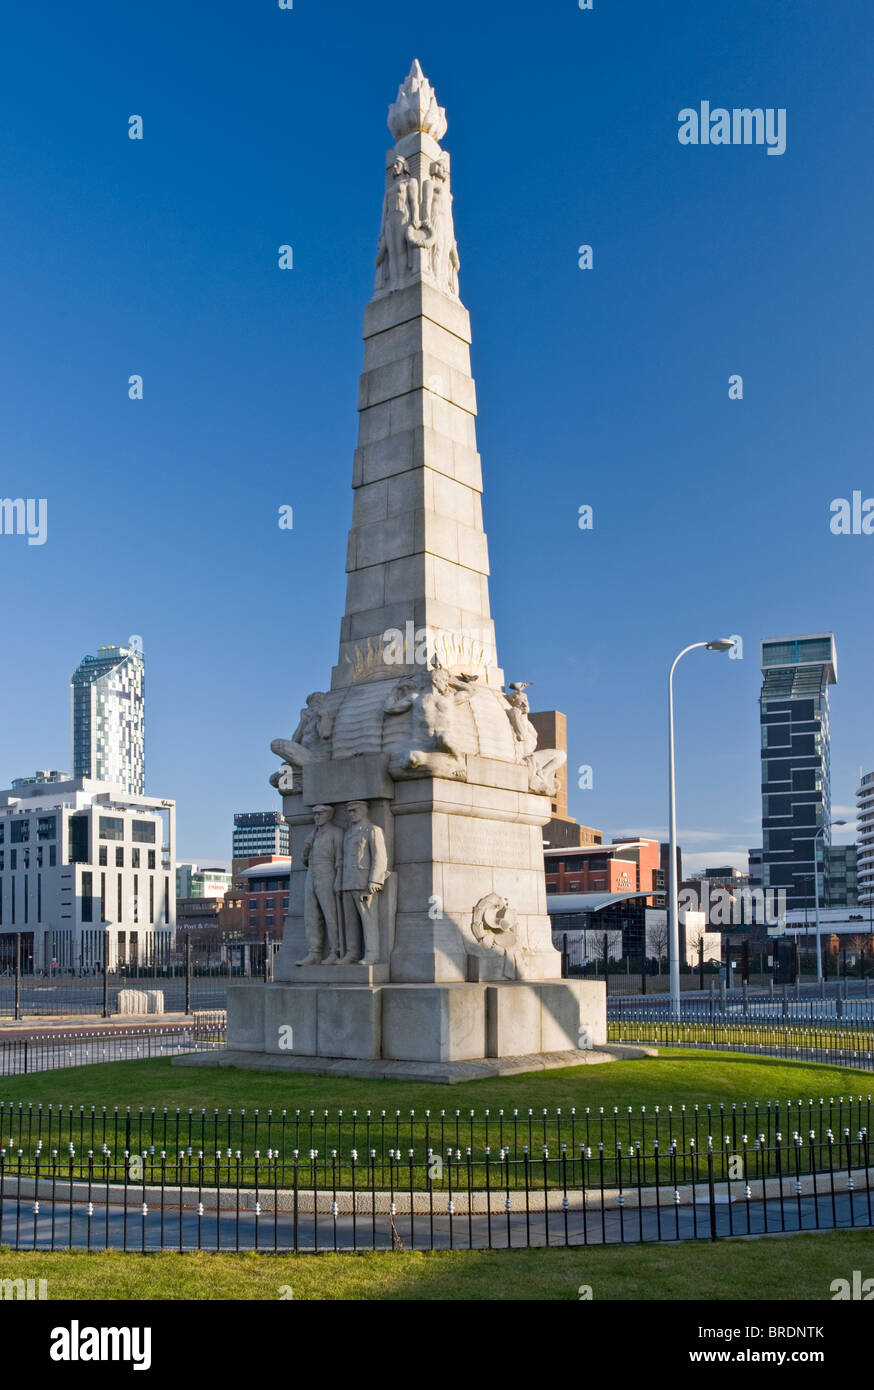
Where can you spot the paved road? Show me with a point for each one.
(121, 1046)
(52, 1227)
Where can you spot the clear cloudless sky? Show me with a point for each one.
(608, 387)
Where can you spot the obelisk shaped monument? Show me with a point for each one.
(417, 549)
(416, 793)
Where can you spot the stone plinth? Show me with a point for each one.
(447, 1022)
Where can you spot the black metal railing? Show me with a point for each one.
(187, 1199)
(117, 1043)
(837, 1042)
(754, 1129)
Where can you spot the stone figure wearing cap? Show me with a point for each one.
(323, 857)
(365, 870)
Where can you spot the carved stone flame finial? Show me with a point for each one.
(416, 107)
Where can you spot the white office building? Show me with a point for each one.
(85, 868)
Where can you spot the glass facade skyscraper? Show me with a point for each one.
(796, 794)
(108, 698)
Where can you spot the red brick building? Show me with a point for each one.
(630, 866)
(263, 889)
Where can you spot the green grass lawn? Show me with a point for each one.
(798, 1267)
(676, 1076)
(617, 1103)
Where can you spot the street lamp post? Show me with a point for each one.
(721, 644)
(821, 831)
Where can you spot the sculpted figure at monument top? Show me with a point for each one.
(400, 218)
(437, 218)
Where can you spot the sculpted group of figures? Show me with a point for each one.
(433, 697)
(344, 874)
(414, 219)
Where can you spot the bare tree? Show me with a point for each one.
(657, 942)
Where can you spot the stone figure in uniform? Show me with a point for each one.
(323, 857)
(365, 870)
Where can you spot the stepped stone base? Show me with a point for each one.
(443, 1073)
(417, 1023)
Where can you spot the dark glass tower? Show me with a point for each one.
(796, 796)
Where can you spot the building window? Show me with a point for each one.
(143, 832)
(135, 858)
(20, 832)
(53, 857)
(87, 898)
(119, 856)
(47, 828)
(102, 854)
(111, 828)
(151, 899)
(151, 859)
(120, 916)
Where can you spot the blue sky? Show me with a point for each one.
(607, 387)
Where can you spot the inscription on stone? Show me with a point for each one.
(488, 842)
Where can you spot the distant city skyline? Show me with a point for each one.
(605, 387)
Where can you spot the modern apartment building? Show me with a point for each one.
(796, 795)
(86, 868)
(108, 718)
(865, 838)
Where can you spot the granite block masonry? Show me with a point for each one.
(414, 787)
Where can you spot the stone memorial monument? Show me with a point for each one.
(417, 940)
